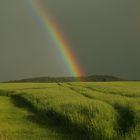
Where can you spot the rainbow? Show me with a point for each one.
(58, 39)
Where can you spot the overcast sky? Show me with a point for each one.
(105, 35)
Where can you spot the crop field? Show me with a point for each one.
(70, 111)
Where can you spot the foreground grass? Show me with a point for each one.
(15, 123)
(99, 111)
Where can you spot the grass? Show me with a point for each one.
(15, 123)
(85, 111)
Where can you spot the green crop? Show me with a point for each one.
(85, 111)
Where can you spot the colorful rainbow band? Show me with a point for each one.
(56, 35)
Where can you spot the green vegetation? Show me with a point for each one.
(70, 111)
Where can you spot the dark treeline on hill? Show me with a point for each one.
(96, 78)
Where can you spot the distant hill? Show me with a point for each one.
(97, 78)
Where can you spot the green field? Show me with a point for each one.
(70, 111)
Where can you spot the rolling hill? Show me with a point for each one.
(98, 78)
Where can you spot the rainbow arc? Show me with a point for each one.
(58, 39)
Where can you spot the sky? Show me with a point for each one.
(104, 34)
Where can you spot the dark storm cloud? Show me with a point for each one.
(104, 34)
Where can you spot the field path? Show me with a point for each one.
(16, 125)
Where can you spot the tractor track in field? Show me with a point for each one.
(32, 120)
(124, 126)
(52, 122)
